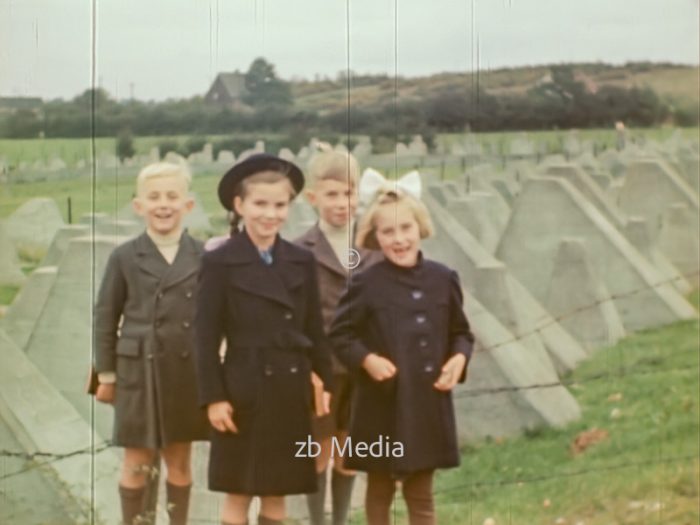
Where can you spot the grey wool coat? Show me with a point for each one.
(270, 317)
(414, 318)
(143, 332)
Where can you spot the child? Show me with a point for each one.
(143, 354)
(334, 176)
(260, 293)
(401, 328)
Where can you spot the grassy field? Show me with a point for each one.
(111, 193)
(105, 194)
(645, 472)
(73, 150)
(70, 150)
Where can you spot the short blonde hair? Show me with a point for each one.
(264, 177)
(366, 236)
(164, 169)
(340, 166)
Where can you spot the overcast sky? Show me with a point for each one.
(174, 48)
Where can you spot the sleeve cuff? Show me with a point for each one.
(107, 378)
(463, 346)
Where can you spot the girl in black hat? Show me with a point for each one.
(260, 294)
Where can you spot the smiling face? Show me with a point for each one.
(264, 209)
(163, 202)
(335, 201)
(398, 233)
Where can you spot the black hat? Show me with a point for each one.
(255, 164)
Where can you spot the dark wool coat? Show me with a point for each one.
(151, 352)
(414, 318)
(271, 319)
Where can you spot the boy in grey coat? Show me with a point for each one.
(143, 353)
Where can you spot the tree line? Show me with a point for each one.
(560, 102)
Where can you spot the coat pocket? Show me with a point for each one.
(129, 363)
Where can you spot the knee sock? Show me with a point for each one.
(341, 489)
(178, 502)
(380, 493)
(418, 493)
(132, 503)
(316, 502)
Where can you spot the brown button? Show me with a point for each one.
(188, 295)
(160, 295)
(186, 324)
(428, 367)
(423, 342)
(150, 356)
(288, 316)
(420, 318)
(417, 294)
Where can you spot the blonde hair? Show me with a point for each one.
(262, 177)
(366, 236)
(164, 169)
(333, 165)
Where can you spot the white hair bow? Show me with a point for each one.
(373, 182)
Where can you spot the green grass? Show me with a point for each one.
(7, 294)
(111, 194)
(620, 480)
(72, 150)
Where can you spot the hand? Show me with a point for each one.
(451, 372)
(220, 416)
(105, 393)
(326, 403)
(379, 368)
(322, 399)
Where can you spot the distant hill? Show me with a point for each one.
(677, 84)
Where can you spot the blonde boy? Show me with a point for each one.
(333, 178)
(143, 353)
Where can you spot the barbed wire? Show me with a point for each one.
(541, 324)
(620, 372)
(571, 313)
(51, 457)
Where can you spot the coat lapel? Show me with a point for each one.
(323, 252)
(148, 258)
(185, 264)
(253, 276)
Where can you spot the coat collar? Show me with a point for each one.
(316, 241)
(409, 276)
(252, 275)
(150, 260)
